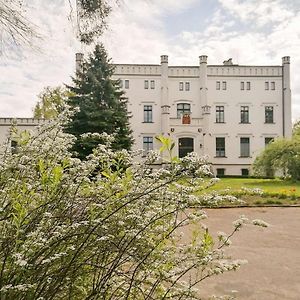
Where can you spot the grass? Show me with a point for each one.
(267, 185)
(275, 191)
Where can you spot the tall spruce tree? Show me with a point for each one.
(102, 105)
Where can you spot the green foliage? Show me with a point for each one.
(65, 236)
(282, 155)
(92, 16)
(51, 103)
(102, 106)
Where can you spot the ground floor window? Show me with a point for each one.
(220, 172)
(185, 146)
(245, 172)
(147, 144)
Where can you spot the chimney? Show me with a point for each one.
(79, 62)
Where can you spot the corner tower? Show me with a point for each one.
(286, 97)
(165, 106)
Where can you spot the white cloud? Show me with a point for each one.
(251, 32)
(261, 12)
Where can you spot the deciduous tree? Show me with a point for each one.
(51, 102)
(64, 236)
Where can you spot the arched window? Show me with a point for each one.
(185, 146)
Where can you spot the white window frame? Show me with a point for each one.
(273, 85)
(180, 85)
(146, 84)
(267, 85)
(126, 84)
(224, 85)
(152, 84)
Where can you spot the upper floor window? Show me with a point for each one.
(146, 84)
(248, 85)
(147, 144)
(126, 84)
(245, 146)
(148, 113)
(120, 83)
(220, 114)
(273, 85)
(244, 114)
(152, 84)
(269, 114)
(270, 85)
(187, 86)
(224, 85)
(268, 140)
(267, 85)
(218, 85)
(182, 109)
(220, 147)
(14, 146)
(181, 86)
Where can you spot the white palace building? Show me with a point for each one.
(229, 112)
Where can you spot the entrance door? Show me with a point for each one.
(185, 146)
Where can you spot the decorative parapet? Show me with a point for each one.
(22, 121)
(236, 70)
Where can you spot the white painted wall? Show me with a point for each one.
(203, 128)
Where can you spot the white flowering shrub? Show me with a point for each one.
(103, 228)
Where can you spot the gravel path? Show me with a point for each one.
(273, 254)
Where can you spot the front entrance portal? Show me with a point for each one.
(185, 146)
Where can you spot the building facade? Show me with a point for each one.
(22, 124)
(229, 112)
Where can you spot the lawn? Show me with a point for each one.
(275, 191)
(267, 185)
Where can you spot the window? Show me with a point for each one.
(220, 114)
(120, 83)
(242, 85)
(180, 86)
(220, 172)
(14, 146)
(185, 146)
(126, 84)
(268, 140)
(269, 114)
(146, 84)
(248, 85)
(182, 109)
(273, 86)
(245, 172)
(266, 85)
(220, 147)
(245, 147)
(224, 85)
(187, 86)
(152, 84)
(148, 113)
(218, 85)
(147, 144)
(244, 114)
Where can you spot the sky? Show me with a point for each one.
(252, 32)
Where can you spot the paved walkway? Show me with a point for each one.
(273, 254)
